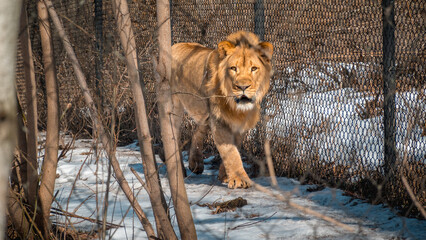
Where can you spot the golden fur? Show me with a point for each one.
(221, 89)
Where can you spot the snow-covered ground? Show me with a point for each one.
(328, 122)
(81, 189)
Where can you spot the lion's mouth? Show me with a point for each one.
(243, 100)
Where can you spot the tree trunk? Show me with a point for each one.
(99, 64)
(48, 176)
(105, 139)
(31, 100)
(18, 177)
(31, 192)
(167, 122)
(9, 19)
(21, 161)
(164, 227)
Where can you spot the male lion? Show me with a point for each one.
(221, 89)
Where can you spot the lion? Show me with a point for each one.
(222, 90)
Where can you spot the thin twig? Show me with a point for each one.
(75, 181)
(139, 179)
(405, 164)
(413, 197)
(77, 26)
(202, 197)
(73, 215)
(66, 148)
(271, 169)
(251, 223)
(26, 213)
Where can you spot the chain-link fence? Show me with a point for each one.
(325, 111)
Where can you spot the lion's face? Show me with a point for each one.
(246, 73)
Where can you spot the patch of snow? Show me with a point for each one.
(81, 189)
(328, 123)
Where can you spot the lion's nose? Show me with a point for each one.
(243, 87)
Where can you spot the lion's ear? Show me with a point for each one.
(225, 48)
(267, 50)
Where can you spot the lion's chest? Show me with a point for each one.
(238, 122)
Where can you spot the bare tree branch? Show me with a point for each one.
(158, 202)
(271, 169)
(31, 100)
(48, 175)
(413, 197)
(100, 129)
(168, 128)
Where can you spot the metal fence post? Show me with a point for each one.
(98, 24)
(389, 86)
(259, 19)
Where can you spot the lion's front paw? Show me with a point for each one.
(238, 181)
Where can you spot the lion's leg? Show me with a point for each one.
(177, 115)
(225, 142)
(198, 109)
(222, 172)
(196, 162)
(238, 140)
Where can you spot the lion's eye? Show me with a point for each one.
(233, 68)
(253, 69)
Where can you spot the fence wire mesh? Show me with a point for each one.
(324, 112)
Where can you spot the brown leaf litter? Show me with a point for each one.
(227, 206)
